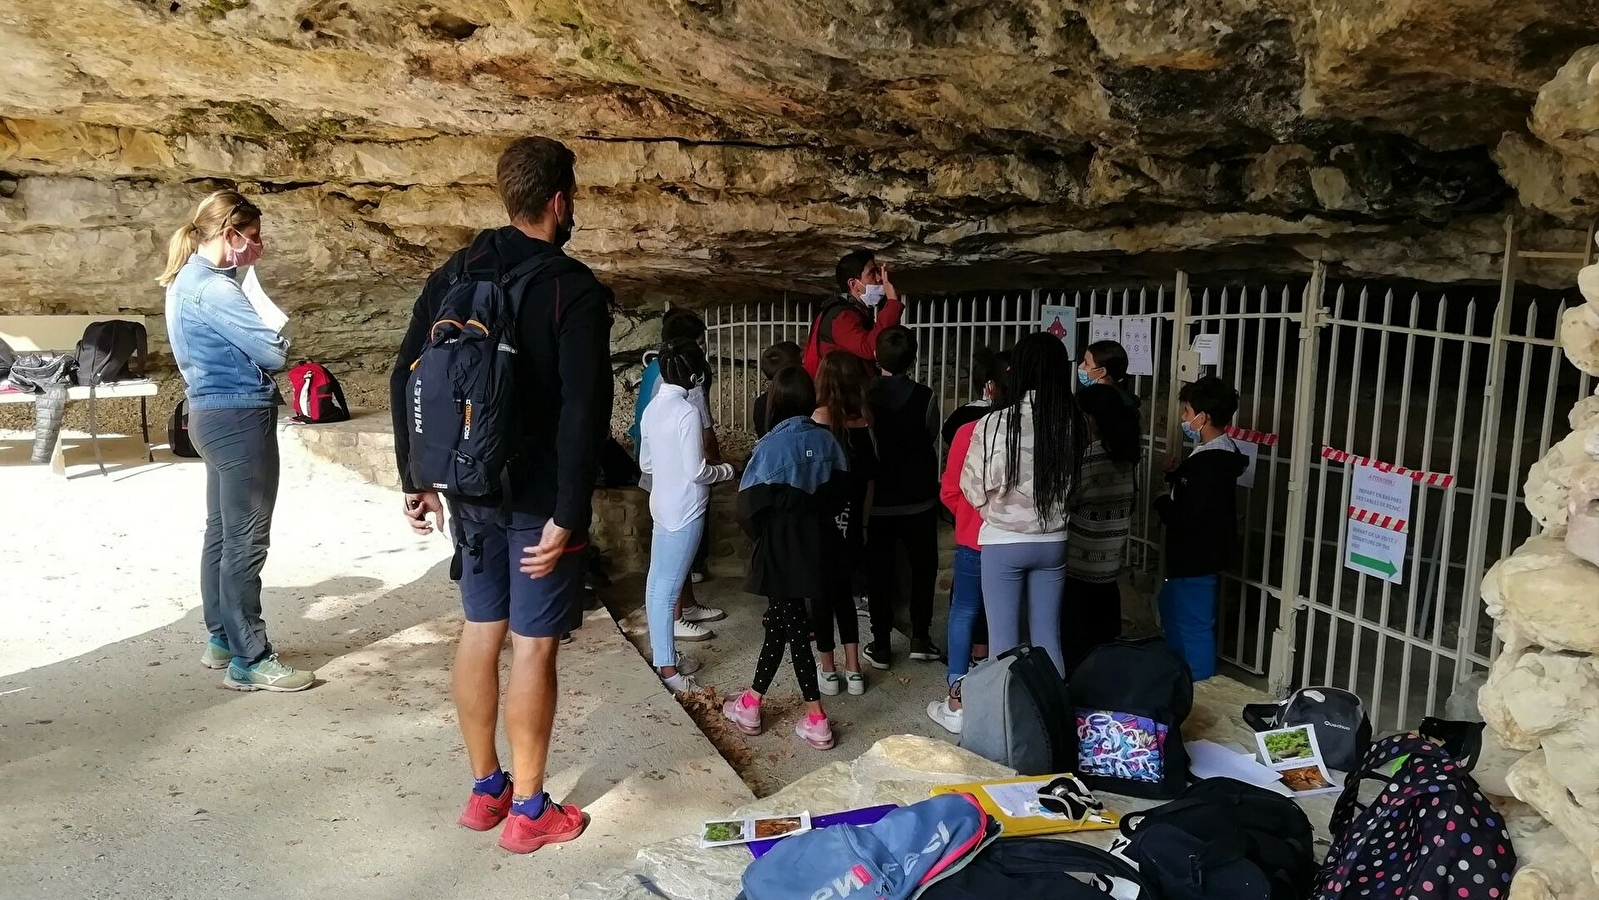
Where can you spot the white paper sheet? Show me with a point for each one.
(1138, 339)
(1252, 451)
(1208, 346)
(271, 316)
(1019, 800)
(1207, 759)
(1104, 328)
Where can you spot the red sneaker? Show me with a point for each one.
(484, 812)
(557, 825)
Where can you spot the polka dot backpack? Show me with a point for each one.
(1429, 835)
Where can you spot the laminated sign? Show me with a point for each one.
(1379, 523)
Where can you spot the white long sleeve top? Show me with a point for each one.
(672, 453)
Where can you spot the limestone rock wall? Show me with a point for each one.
(730, 151)
(1539, 699)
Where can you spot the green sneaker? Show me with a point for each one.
(216, 656)
(268, 675)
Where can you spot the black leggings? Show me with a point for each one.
(837, 606)
(787, 625)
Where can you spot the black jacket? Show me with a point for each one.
(564, 376)
(1201, 513)
(905, 423)
(790, 502)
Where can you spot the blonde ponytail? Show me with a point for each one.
(182, 246)
(215, 214)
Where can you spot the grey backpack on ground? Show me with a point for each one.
(1015, 712)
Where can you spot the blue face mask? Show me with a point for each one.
(1190, 432)
(1083, 379)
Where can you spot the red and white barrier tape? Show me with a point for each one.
(1265, 439)
(1378, 519)
(1430, 479)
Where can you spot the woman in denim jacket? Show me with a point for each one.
(226, 355)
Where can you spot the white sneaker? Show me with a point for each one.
(949, 719)
(686, 665)
(685, 630)
(682, 684)
(855, 683)
(699, 614)
(831, 683)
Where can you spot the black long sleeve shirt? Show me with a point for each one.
(563, 370)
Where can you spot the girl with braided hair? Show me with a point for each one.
(672, 451)
(1020, 473)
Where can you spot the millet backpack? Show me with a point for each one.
(461, 393)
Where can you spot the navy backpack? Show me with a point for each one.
(461, 393)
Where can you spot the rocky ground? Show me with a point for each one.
(127, 772)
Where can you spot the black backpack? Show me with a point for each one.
(178, 432)
(1130, 699)
(1343, 732)
(617, 466)
(1451, 841)
(461, 393)
(108, 350)
(1223, 840)
(1038, 870)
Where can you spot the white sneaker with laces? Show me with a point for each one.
(682, 684)
(701, 614)
(686, 665)
(685, 630)
(831, 683)
(949, 719)
(855, 683)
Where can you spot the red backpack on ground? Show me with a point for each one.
(315, 395)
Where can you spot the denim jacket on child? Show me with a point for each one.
(223, 349)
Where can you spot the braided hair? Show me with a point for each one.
(683, 363)
(1042, 367)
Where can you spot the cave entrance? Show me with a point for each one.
(1459, 390)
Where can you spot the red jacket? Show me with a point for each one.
(849, 326)
(967, 520)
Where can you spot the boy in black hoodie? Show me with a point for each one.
(1199, 507)
(904, 506)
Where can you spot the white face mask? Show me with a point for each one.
(872, 294)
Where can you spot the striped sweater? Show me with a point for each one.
(1101, 519)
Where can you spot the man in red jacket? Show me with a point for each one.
(848, 322)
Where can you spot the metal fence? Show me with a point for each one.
(1473, 387)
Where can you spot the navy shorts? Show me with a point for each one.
(493, 588)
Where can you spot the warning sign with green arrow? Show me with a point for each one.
(1376, 551)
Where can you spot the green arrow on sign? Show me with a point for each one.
(1374, 564)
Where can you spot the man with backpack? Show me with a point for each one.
(501, 396)
(867, 306)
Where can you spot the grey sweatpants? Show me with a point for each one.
(240, 449)
(1025, 579)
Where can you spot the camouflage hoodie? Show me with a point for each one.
(1009, 517)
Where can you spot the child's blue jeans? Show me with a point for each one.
(671, 554)
(965, 609)
(1188, 618)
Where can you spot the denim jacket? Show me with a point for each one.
(223, 349)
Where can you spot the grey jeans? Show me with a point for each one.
(1022, 583)
(240, 449)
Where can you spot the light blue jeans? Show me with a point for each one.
(671, 554)
(965, 609)
(1023, 582)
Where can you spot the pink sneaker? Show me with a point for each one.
(817, 733)
(747, 718)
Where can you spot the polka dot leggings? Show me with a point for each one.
(787, 625)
